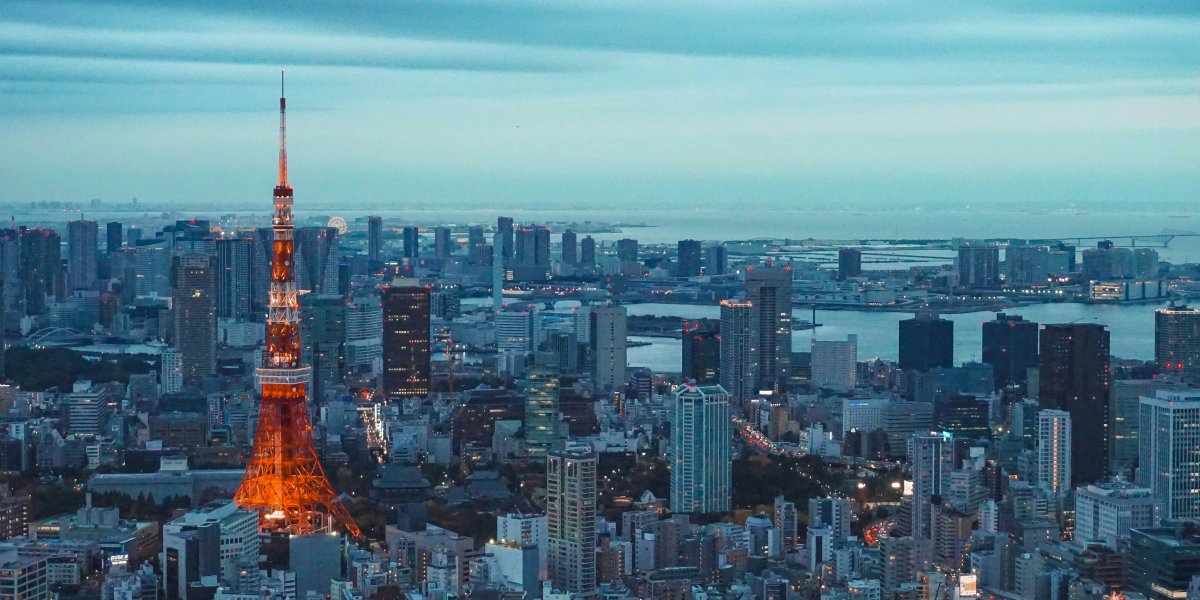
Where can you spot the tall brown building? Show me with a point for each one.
(406, 341)
(1075, 377)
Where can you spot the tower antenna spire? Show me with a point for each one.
(283, 180)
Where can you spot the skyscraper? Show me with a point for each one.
(412, 242)
(849, 263)
(375, 240)
(1177, 340)
(978, 266)
(442, 247)
(316, 259)
(738, 350)
(323, 339)
(514, 328)
(364, 334)
(571, 518)
(784, 517)
(690, 253)
(194, 309)
(570, 248)
(82, 249)
(504, 227)
(932, 459)
(701, 442)
(41, 267)
(406, 341)
(834, 363)
(1054, 451)
(1169, 455)
(926, 342)
(1074, 376)
(587, 253)
(769, 291)
(716, 260)
(608, 346)
(542, 416)
(113, 237)
(627, 250)
(234, 275)
(701, 351)
(1010, 345)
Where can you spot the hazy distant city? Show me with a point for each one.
(572, 301)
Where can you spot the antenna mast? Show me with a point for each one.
(283, 180)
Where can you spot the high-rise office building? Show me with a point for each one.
(608, 346)
(932, 459)
(364, 334)
(195, 312)
(570, 248)
(235, 280)
(41, 267)
(738, 350)
(690, 253)
(701, 351)
(834, 363)
(476, 245)
(323, 340)
(113, 236)
(542, 416)
(412, 241)
(1074, 376)
(849, 263)
(769, 290)
(504, 228)
(442, 247)
(926, 342)
(82, 251)
(1010, 345)
(1124, 411)
(1106, 512)
(10, 269)
(216, 539)
(784, 518)
(587, 252)
(1177, 340)
(406, 316)
(701, 442)
(375, 240)
(978, 266)
(627, 250)
(1054, 451)
(1169, 456)
(260, 267)
(716, 260)
(532, 246)
(316, 253)
(834, 513)
(514, 328)
(1161, 563)
(571, 518)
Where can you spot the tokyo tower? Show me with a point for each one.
(284, 480)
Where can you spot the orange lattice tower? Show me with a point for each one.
(284, 480)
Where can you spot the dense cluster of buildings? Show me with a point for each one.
(447, 370)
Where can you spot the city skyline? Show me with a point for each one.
(573, 104)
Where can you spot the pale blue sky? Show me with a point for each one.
(630, 104)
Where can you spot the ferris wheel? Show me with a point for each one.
(339, 224)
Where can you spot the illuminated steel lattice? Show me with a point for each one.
(284, 480)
